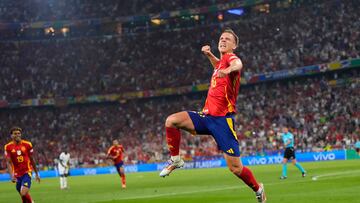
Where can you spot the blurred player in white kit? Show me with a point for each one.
(63, 167)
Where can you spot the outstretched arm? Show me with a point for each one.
(212, 58)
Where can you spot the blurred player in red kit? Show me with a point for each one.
(20, 163)
(115, 153)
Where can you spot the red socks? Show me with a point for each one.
(123, 180)
(26, 198)
(248, 177)
(173, 136)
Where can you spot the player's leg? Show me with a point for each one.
(65, 178)
(181, 120)
(18, 188)
(118, 169)
(225, 136)
(298, 165)
(25, 196)
(236, 167)
(61, 181)
(25, 188)
(122, 175)
(245, 174)
(61, 175)
(173, 124)
(284, 168)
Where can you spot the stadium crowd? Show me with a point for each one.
(295, 37)
(38, 10)
(323, 116)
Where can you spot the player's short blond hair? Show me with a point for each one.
(229, 30)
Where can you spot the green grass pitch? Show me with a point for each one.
(336, 181)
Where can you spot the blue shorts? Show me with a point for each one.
(119, 165)
(24, 180)
(220, 127)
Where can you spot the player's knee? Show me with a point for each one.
(235, 170)
(23, 192)
(171, 121)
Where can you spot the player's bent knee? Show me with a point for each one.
(170, 121)
(174, 120)
(24, 191)
(235, 170)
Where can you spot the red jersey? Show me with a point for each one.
(116, 151)
(222, 94)
(19, 155)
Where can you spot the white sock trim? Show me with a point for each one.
(175, 158)
(259, 190)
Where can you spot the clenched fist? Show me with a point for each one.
(206, 49)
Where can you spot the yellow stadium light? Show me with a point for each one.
(156, 21)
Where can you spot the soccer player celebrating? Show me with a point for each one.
(63, 167)
(19, 158)
(289, 154)
(217, 116)
(115, 153)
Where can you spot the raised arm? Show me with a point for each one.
(212, 58)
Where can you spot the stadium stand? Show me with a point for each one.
(321, 113)
(114, 64)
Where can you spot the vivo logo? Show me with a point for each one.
(265, 160)
(324, 157)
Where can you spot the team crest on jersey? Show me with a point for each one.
(18, 152)
(23, 149)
